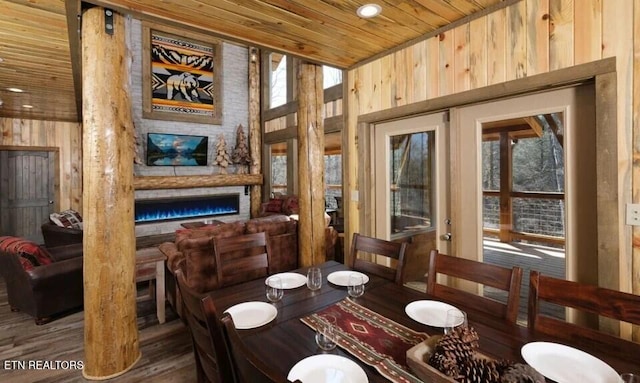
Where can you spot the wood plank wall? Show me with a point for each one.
(529, 37)
(66, 137)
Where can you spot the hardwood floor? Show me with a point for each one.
(167, 355)
(550, 261)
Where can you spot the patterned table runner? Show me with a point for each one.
(372, 338)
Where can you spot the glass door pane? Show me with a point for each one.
(412, 188)
(523, 197)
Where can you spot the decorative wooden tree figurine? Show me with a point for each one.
(222, 156)
(241, 154)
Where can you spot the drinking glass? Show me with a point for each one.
(314, 278)
(274, 289)
(455, 318)
(326, 333)
(628, 377)
(356, 285)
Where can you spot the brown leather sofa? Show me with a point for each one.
(42, 282)
(288, 205)
(55, 235)
(193, 249)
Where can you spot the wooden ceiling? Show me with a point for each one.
(36, 57)
(34, 48)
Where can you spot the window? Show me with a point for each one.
(278, 154)
(333, 169)
(331, 76)
(278, 80)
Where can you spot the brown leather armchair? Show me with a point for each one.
(55, 235)
(42, 290)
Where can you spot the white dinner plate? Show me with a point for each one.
(341, 278)
(431, 313)
(564, 364)
(290, 280)
(252, 314)
(327, 368)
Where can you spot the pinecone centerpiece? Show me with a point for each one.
(455, 356)
(453, 349)
(477, 370)
(522, 373)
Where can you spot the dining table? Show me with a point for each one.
(286, 339)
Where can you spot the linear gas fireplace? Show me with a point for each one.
(179, 208)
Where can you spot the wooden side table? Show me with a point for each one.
(197, 224)
(150, 266)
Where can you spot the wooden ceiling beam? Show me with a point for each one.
(535, 125)
(501, 129)
(555, 128)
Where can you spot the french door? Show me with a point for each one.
(411, 187)
(573, 108)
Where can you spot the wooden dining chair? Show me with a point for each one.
(392, 250)
(212, 359)
(241, 258)
(498, 277)
(586, 299)
(248, 368)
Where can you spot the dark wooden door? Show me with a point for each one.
(27, 181)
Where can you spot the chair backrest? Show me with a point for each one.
(587, 299)
(241, 258)
(213, 363)
(498, 277)
(393, 250)
(247, 366)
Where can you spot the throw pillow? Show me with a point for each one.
(31, 255)
(290, 205)
(70, 219)
(274, 206)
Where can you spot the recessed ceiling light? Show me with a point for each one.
(369, 10)
(26, 106)
(16, 90)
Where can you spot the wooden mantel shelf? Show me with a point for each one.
(182, 182)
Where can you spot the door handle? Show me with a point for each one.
(50, 202)
(446, 237)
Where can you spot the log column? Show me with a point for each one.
(311, 229)
(255, 128)
(506, 186)
(110, 333)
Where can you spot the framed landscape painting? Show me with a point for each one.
(181, 75)
(176, 150)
